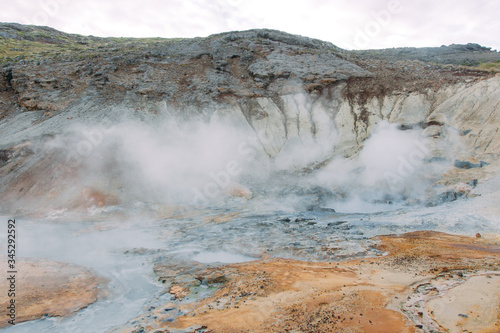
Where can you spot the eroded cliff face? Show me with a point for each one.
(172, 156)
(303, 107)
(341, 125)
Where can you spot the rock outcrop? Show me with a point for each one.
(293, 93)
(49, 289)
(456, 54)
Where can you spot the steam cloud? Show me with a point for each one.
(202, 163)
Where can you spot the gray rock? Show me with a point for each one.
(468, 165)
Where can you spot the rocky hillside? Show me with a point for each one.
(456, 54)
(291, 92)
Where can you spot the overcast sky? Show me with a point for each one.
(351, 24)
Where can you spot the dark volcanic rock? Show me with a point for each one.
(458, 54)
(468, 165)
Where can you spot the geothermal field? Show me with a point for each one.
(251, 181)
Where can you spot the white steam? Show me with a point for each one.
(201, 163)
(393, 165)
(169, 162)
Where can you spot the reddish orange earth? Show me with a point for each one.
(370, 295)
(47, 288)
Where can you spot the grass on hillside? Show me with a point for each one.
(490, 66)
(48, 46)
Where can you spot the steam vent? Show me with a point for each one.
(250, 181)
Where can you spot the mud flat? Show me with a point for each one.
(428, 282)
(47, 288)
